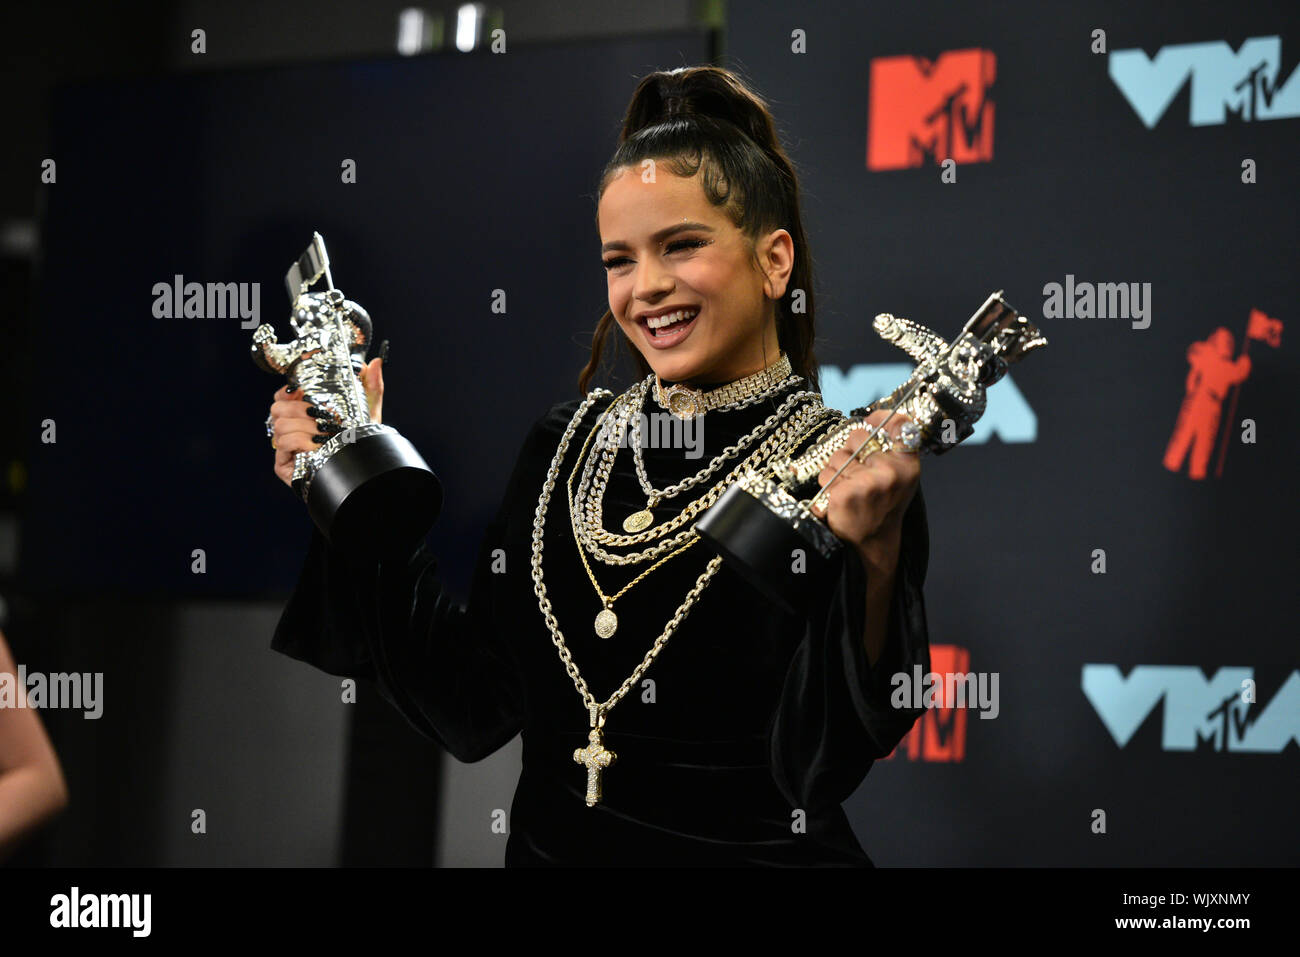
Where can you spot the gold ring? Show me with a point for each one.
(825, 501)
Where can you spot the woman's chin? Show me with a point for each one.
(676, 371)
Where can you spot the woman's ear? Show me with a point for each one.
(777, 259)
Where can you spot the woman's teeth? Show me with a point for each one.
(655, 323)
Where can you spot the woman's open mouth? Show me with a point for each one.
(663, 332)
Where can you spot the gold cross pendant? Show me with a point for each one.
(595, 758)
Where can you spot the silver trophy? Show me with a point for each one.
(366, 488)
(759, 523)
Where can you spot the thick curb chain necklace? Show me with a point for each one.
(588, 504)
(638, 521)
(595, 758)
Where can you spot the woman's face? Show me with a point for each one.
(666, 247)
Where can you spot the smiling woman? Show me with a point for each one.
(699, 210)
(735, 728)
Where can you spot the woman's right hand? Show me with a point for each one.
(293, 426)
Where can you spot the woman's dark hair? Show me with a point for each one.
(704, 119)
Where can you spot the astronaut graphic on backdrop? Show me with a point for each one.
(1213, 372)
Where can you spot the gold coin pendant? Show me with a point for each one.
(606, 623)
(638, 520)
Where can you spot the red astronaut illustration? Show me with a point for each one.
(1213, 372)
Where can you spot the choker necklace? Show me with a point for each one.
(686, 403)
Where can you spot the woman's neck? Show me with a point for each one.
(708, 382)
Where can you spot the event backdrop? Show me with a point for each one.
(1110, 553)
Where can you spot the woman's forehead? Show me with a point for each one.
(631, 204)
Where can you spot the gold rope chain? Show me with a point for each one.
(608, 601)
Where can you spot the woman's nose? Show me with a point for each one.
(652, 279)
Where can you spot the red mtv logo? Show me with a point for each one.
(921, 111)
(940, 733)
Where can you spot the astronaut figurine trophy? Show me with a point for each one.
(760, 522)
(366, 488)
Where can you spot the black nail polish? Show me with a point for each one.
(320, 439)
(329, 428)
(317, 413)
(383, 353)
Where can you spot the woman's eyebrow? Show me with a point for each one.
(659, 236)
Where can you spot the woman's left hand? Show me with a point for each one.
(869, 498)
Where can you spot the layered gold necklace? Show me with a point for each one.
(585, 510)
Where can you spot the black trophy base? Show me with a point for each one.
(764, 548)
(376, 497)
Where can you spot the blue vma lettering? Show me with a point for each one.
(1008, 415)
(1244, 83)
(1217, 711)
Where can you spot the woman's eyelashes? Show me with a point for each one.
(672, 247)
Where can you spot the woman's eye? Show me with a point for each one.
(672, 247)
(686, 243)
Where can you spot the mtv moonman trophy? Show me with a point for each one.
(766, 514)
(366, 488)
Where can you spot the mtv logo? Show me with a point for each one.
(1007, 415)
(921, 111)
(1244, 83)
(940, 733)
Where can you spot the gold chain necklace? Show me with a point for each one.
(639, 521)
(588, 504)
(606, 621)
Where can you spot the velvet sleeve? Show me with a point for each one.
(834, 717)
(445, 665)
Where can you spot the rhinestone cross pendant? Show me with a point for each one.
(594, 758)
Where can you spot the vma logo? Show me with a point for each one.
(922, 112)
(940, 733)
(1007, 415)
(1244, 83)
(1220, 714)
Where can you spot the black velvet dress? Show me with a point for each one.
(753, 716)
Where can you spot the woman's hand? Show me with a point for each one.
(869, 498)
(296, 430)
(372, 377)
(866, 509)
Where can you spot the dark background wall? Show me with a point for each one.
(475, 172)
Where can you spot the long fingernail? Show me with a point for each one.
(319, 439)
(383, 353)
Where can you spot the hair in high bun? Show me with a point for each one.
(704, 119)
